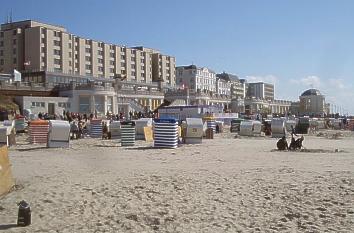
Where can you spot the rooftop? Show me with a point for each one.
(310, 92)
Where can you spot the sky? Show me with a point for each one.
(296, 45)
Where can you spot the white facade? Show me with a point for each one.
(196, 78)
(223, 87)
(93, 100)
(51, 105)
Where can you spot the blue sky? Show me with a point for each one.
(293, 44)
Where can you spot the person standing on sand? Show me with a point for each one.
(293, 132)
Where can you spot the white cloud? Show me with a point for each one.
(267, 79)
(308, 82)
(336, 90)
(337, 84)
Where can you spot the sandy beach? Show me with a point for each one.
(223, 185)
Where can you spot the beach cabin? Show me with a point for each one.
(38, 131)
(193, 129)
(250, 128)
(139, 127)
(114, 128)
(278, 128)
(58, 134)
(165, 133)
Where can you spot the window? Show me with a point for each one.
(88, 67)
(100, 60)
(69, 45)
(132, 58)
(43, 40)
(76, 56)
(70, 54)
(38, 104)
(111, 70)
(132, 66)
(1, 61)
(142, 60)
(1, 43)
(43, 30)
(56, 33)
(56, 52)
(1, 34)
(100, 68)
(14, 32)
(87, 42)
(87, 58)
(69, 63)
(88, 50)
(100, 52)
(111, 63)
(15, 61)
(57, 43)
(14, 41)
(43, 50)
(122, 57)
(64, 105)
(1, 52)
(57, 61)
(112, 54)
(133, 73)
(122, 64)
(14, 51)
(43, 59)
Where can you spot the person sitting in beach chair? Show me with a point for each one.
(296, 144)
(282, 144)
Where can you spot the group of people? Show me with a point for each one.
(295, 144)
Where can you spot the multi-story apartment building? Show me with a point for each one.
(196, 78)
(31, 46)
(260, 90)
(223, 86)
(237, 86)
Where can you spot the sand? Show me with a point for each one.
(223, 185)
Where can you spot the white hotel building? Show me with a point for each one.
(196, 78)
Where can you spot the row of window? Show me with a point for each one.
(64, 105)
(14, 61)
(14, 32)
(14, 42)
(38, 104)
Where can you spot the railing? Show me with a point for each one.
(132, 103)
(194, 94)
(139, 92)
(26, 86)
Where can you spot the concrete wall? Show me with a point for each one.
(25, 102)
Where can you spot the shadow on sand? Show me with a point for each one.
(146, 148)
(32, 149)
(7, 226)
